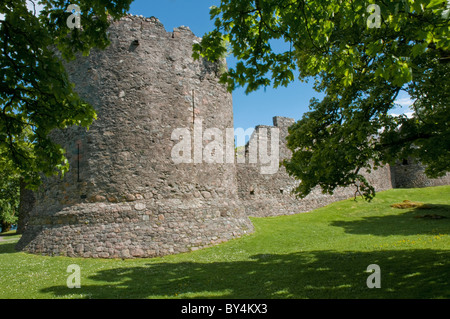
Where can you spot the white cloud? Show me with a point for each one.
(34, 5)
(408, 114)
(403, 106)
(31, 7)
(404, 102)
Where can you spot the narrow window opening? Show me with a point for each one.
(193, 106)
(78, 162)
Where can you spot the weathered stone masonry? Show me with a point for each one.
(270, 195)
(124, 197)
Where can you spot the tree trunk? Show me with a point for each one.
(27, 201)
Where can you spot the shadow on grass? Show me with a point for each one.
(7, 248)
(318, 274)
(414, 221)
(8, 234)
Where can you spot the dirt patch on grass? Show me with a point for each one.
(408, 204)
(420, 206)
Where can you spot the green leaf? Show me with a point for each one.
(37, 96)
(435, 3)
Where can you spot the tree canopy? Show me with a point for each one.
(36, 95)
(361, 55)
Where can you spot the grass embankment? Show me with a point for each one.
(322, 254)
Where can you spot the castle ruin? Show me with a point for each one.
(124, 197)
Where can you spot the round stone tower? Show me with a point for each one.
(124, 195)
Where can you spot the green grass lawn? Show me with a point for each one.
(321, 254)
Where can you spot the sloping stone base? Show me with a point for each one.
(133, 230)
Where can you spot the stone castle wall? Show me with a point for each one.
(411, 174)
(270, 195)
(124, 196)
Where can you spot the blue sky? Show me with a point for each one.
(249, 110)
(257, 107)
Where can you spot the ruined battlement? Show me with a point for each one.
(271, 195)
(146, 23)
